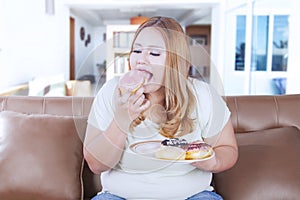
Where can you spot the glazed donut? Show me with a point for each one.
(170, 153)
(132, 81)
(198, 150)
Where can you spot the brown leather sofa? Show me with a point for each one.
(41, 149)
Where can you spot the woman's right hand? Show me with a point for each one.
(128, 106)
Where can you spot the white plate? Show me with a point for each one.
(148, 149)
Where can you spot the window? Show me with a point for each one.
(280, 43)
(260, 43)
(261, 39)
(240, 41)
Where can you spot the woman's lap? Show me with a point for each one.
(106, 196)
(205, 195)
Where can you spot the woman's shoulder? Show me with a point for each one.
(197, 81)
(199, 85)
(204, 91)
(109, 85)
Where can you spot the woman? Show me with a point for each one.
(168, 105)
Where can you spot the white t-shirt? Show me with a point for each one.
(140, 177)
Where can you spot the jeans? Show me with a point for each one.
(204, 195)
(106, 196)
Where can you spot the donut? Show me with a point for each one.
(180, 149)
(198, 150)
(170, 153)
(132, 81)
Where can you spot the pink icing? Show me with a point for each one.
(132, 80)
(200, 146)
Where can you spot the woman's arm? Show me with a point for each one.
(225, 148)
(103, 150)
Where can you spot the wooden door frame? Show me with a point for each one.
(72, 49)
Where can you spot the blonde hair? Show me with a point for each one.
(179, 98)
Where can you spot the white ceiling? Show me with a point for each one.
(103, 14)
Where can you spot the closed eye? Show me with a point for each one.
(154, 54)
(137, 51)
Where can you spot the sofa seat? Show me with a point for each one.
(268, 166)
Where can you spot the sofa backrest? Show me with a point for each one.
(62, 106)
(254, 113)
(248, 113)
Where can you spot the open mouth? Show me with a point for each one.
(148, 75)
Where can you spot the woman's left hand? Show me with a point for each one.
(206, 165)
(225, 148)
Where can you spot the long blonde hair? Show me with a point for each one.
(179, 98)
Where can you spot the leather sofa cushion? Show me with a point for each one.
(40, 156)
(268, 166)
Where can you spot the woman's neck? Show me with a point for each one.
(156, 111)
(157, 97)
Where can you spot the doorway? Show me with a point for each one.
(199, 36)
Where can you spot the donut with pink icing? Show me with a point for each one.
(132, 81)
(198, 150)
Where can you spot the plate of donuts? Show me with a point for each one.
(174, 150)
